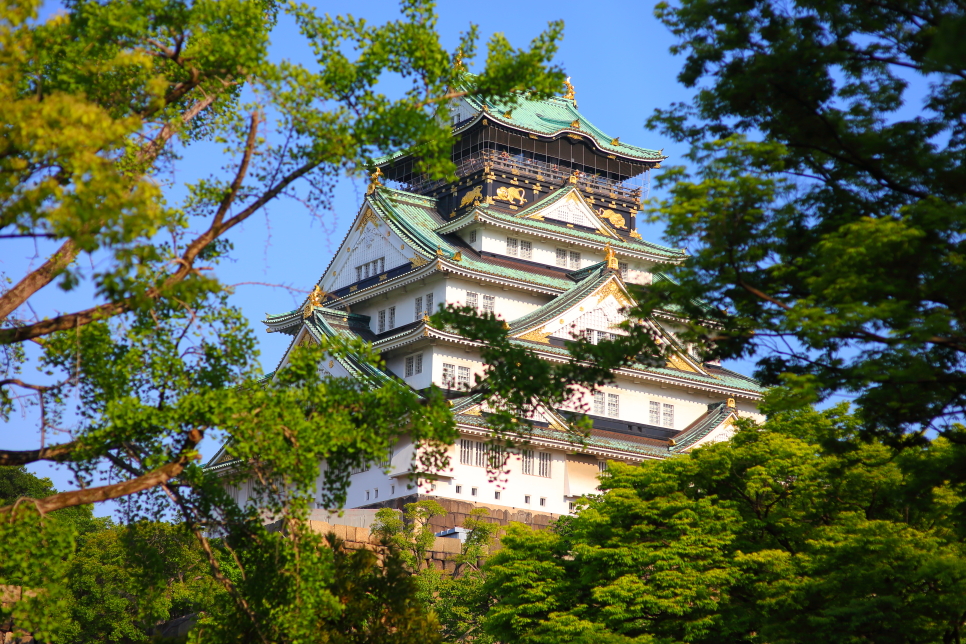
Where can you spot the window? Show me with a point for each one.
(562, 257)
(392, 489)
(382, 321)
(526, 250)
(574, 259)
(459, 489)
(392, 317)
(419, 308)
(655, 415)
(623, 269)
(414, 365)
(449, 374)
(496, 495)
(367, 495)
(613, 405)
(668, 415)
(370, 269)
(377, 493)
(472, 236)
(489, 303)
(512, 246)
(456, 118)
(472, 299)
(543, 501)
(572, 506)
(526, 499)
(473, 491)
(466, 452)
(599, 402)
(429, 304)
(544, 464)
(464, 376)
(602, 466)
(527, 455)
(387, 459)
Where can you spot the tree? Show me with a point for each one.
(794, 531)
(99, 101)
(826, 211)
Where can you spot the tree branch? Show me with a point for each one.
(38, 279)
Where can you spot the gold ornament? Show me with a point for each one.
(510, 194)
(316, 298)
(614, 218)
(571, 94)
(731, 403)
(611, 258)
(418, 261)
(472, 197)
(374, 181)
(458, 61)
(576, 124)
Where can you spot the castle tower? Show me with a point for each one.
(539, 228)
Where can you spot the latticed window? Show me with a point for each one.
(526, 249)
(472, 236)
(482, 451)
(489, 304)
(382, 321)
(527, 456)
(419, 308)
(466, 452)
(574, 259)
(512, 245)
(668, 415)
(392, 317)
(613, 405)
(655, 413)
(624, 268)
(464, 376)
(449, 374)
(562, 257)
(387, 459)
(602, 466)
(429, 304)
(599, 402)
(472, 299)
(358, 273)
(414, 365)
(543, 463)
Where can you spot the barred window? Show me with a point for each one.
(574, 259)
(655, 416)
(668, 415)
(370, 269)
(410, 364)
(602, 466)
(562, 257)
(472, 299)
(382, 321)
(358, 273)
(544, 461)
(365, 274)
(419, 308)
(449, 374)
(481, 454)
(464, 376)
(414, 365)
(526, 250)
(599, 402)
(392, 317)
(419, 363)
(472, 236)
(387, 459)
(613, 405)
(466, 452)
(429, 304)
(489, 304)
(527, 455)
(511, 246)
(623, 269)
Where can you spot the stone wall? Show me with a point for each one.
(457, 511)
(10, 595)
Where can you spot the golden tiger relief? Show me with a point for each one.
(472, 196)
(511, 194)
(615, 218)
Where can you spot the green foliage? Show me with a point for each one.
(794, 531)
(826, 210)
(411, 533)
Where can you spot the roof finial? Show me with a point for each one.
(316, 298)
(611, 258)
(570, 89)
(374, 181)
(458, 61)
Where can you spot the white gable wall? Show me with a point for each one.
(373, 242)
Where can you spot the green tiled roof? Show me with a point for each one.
(717, 414)
(597, 276)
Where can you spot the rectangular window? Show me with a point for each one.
(392, 489)
(382, 264)
(459, 489)
(543, 501)
(387, 459)
(599, 402)
(489, 304)
(512, 246)
(572, 506)
(473, 491)
(544, 461)
(472, 299)
(365, 270)
(367, 495)
(429, 304)
(496, 495)
(419, 309)
(562, 257)
(526, 499)
(464, 376)
(480, 456)
(418, 367)
(623, 269)
(602, 466)
(466, 452)
(392, 317)
(613, 405)
(472, 236)
(377, 493)
(526, 250)
(382, 321)
(449, 375)
(410, 363)
(668, 415)
(527, 455)
(358, 273)
(655, 414)
(574, 259)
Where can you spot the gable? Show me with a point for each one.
(371, 248)
(328, 368)
(573, 209)
(600, 310)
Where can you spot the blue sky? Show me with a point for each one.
(615, 52)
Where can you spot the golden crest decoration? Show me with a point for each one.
(615, 218)
(510, 194)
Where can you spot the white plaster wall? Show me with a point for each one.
(493, 240)
(397, 364)
(404, 299)
(510, 304)
(456, 356)
(375, 240)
